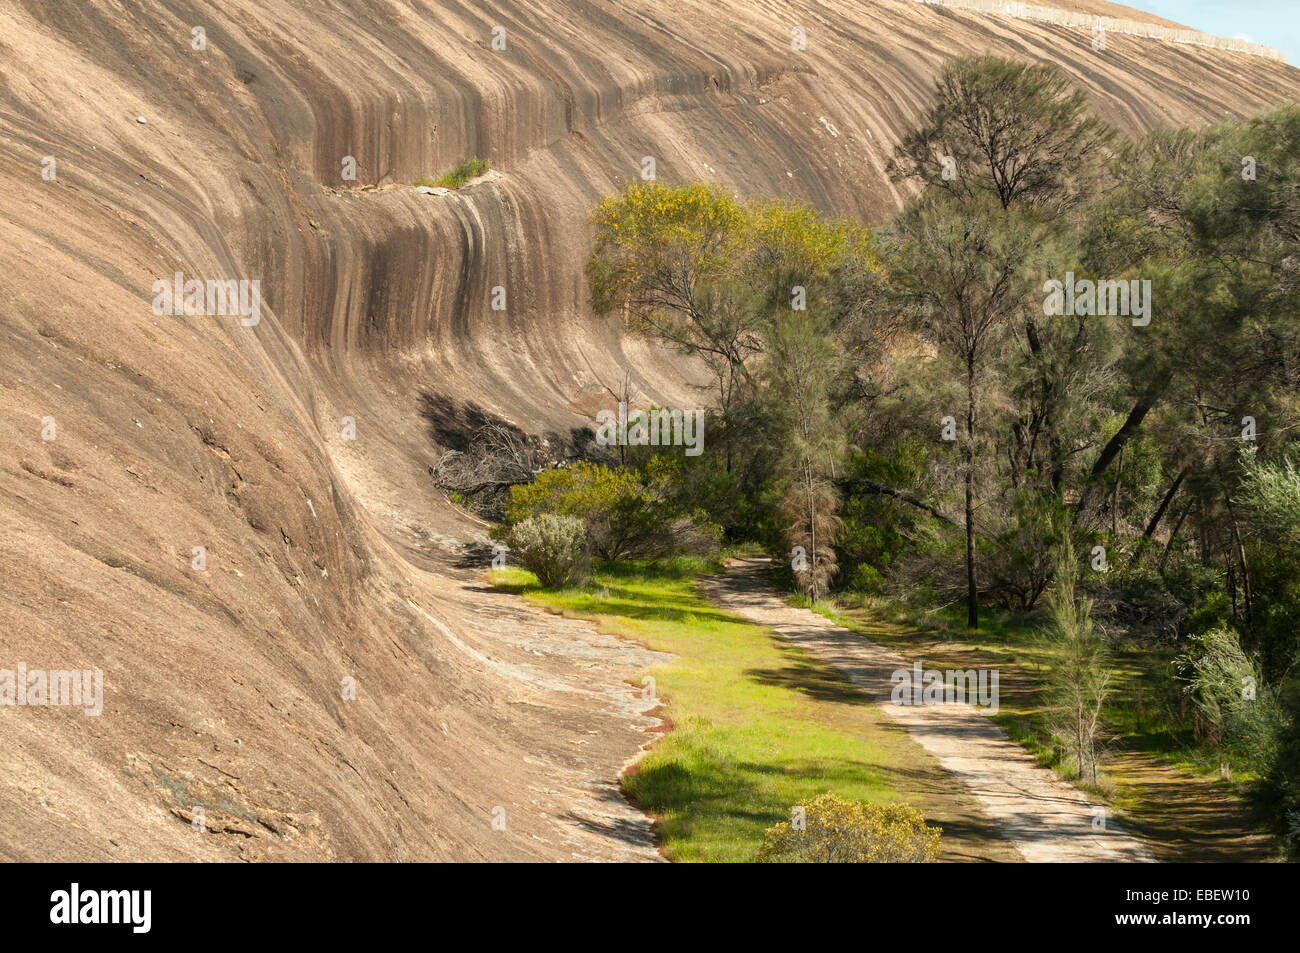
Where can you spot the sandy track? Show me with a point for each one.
(1045, 818)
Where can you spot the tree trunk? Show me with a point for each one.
(1173, 535)
(1114, 497)
(1055, 448)
(1164, 503)
(972, 597)
(871, 486)
(812, 532)
(1248, 595)
(1113, 446)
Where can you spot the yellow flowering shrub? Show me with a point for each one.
(648, 233)
(836, 830)
(654, 243)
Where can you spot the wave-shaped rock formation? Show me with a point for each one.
(129, 155)
(1101, 26)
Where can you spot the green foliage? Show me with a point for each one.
(1271, 493)
(1247, 722)
(1080, 679)
(1275, 635)
(876, 534)
(1238, 715)
(657, 245)
(455, 178)
(612, 503)
(960, 266)
(655, 242)
(840, 831)
(626, 512)
(1278, 791)
(551, 547)
(790, 244)
(1023, 543)
(1017, 132)
(1273, 490)
(1081, 426)
(802, 373)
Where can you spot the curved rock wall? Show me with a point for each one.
(330, 558)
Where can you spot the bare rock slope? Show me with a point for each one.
(128, 155)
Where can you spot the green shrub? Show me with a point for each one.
(840, 831)
(1080, 677)
(876, 532)
(1237, 714)
(554, 548)
(458, 176)
(626, 513)
(867, 580)
(1024, 531)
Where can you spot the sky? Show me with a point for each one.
(1271, 22)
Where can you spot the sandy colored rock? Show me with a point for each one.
(328, 557)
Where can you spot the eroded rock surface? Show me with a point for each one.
(330, 558)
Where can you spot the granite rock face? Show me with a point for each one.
(230, 515)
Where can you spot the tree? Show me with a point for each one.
(960, 271)
(1023, 135)
(802, 369)
(1080, 675)
(1238, 714)
(1014, 131)
(672, 259)
(700, 271)
(1212, 219)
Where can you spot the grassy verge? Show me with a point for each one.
(758, 725)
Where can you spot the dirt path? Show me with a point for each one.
(1185, 818)
(1044, 817)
